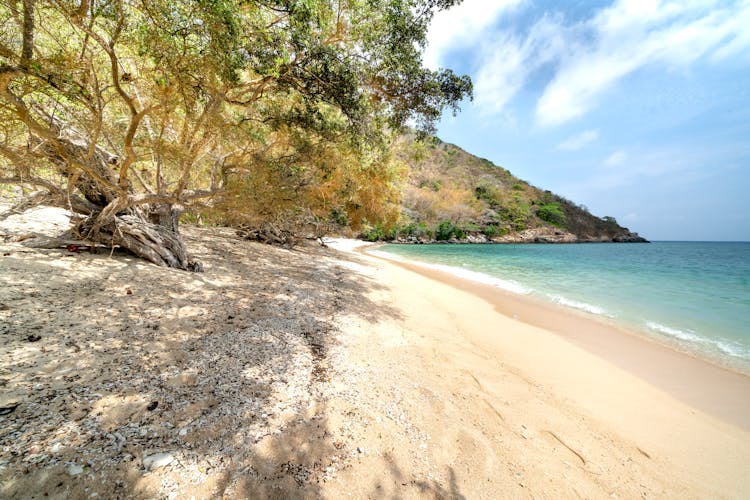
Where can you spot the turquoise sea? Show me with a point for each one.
(694, 296)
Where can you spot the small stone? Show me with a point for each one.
(157, 460)
(55, 447)
(183, 431)
(74, 470)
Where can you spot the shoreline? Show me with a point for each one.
(318, 373)
(626, 411)
(650, 331)
(701, 382)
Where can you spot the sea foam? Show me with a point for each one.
(725, 346)
(477, 277)
(583, 306)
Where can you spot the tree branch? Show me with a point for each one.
(27, 50)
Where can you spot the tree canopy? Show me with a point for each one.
(130, 111)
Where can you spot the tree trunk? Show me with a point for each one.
(157, 243)
(150, 232)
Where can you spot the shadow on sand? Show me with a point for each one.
(214, 381)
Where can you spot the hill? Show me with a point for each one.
(451, 195)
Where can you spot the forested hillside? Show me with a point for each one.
(449, 194)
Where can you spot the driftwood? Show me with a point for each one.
(35, 240)
(270, 234)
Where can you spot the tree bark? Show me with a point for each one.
(156, 243)
(27, 49)
(150, 232)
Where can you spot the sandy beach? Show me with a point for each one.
(325, 373)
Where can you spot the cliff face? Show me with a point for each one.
(450, 195)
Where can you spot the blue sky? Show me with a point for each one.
(636, 109)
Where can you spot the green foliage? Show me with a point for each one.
(492, 231)
(245, 111)
(414, 230)
(432, 184)
(516, 213)
(374, 233)
(419, 151)
(447, 230)
(552, 213)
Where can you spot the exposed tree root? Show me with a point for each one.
(153, 242)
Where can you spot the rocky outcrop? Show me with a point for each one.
(535, 235)
(538, 235)
(629, 237)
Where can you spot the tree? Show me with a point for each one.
(553, 213)
(129, 112)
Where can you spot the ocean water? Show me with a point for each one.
(694, 296)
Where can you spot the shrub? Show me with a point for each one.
(445, 230)
(492, 231)
(375, 233)
(488, 193)
(552, 213)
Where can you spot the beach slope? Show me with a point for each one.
(317, 373)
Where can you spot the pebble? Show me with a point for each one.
(74, 470)
(157, 460)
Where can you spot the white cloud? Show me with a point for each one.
(616, 159)
(508, 61)
(578, 141)
(632, 34)
(500, 77)
(588, 57)
(462, 26)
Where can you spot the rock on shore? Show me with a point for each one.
(535, 235)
